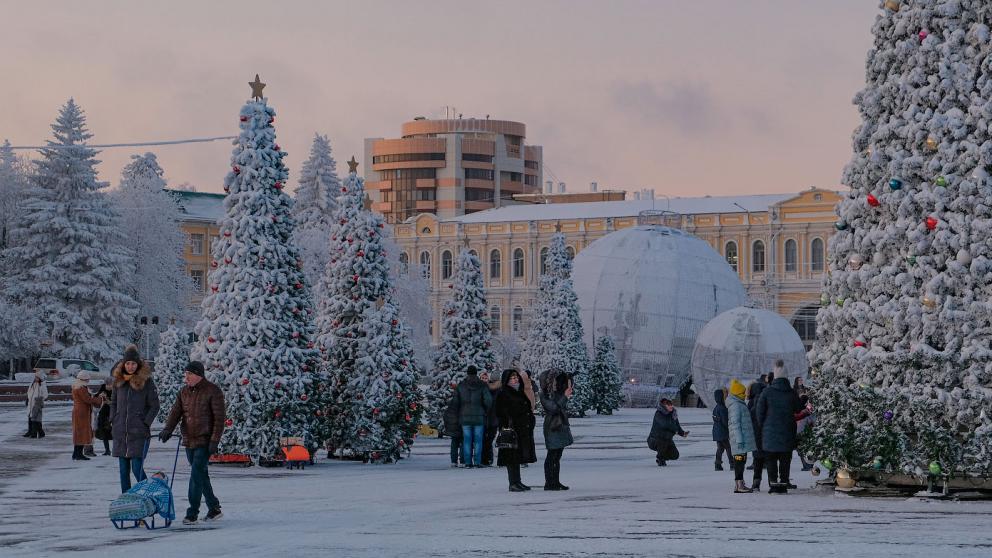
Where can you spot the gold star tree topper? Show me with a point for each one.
(256, 88)
(352, 165)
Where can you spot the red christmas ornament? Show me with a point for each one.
(923, 34)
(296, 311)
(310, 345)
(298, 285)
(296, 335)
(361, 253)
(272, 119)
(932, 222)
(303, 397)
(344, 190)
(408, 418)
(452, 286)
(211, 340)
(227, 189)
(236, 169)
(227, 234)
(278, 413)
(214, 288)
(401, 443)
(872, 200)
(227, 260)
(278, 185)
(244, 118)
(413, 406)
(393, 323)
(228, 423)
(213, 264)
(276, 147)
(375, 411)
(859, 343)
(244, 381)
(380, 225)
(354, 278)
(319, 414)
(278, 385)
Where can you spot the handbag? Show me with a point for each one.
(506, 438)
(555, 422)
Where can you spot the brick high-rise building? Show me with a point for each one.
(450, 167)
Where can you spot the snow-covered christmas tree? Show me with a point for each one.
(13, 184)
(255, 337)
(355, 279)
(465, 336)
(605, 379)
(64, 259)
(902, 360)
(170, 366)
(313, 207)
(386, 400)
(149, 221)
(554, 337)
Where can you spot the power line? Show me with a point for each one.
(136, 144)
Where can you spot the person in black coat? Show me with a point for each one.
(453, 429)
(513, 410)
(753, 393)
(492, 424)
(776, 409)
(556, 389)
(721, 431)
(664, 427)
(103, 427)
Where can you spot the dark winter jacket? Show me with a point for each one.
(512, 409)
(103, 426)
(132, 410)
(754, 392)
(665, 425)
(474, 401)
(776, 411)
(202, 411)
(452, 424)
(721, 432)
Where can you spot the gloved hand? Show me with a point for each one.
(164, 436)
(213, 447)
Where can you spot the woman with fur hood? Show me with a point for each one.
(132, 410)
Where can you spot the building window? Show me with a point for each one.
(507, 176)
(477, 157)
(518, 263)
(518, 319)
(494, 319)
(531, 180)
(478, 174)
(570, 252)
(758, 257)
(425, 265)
(495, 264)
(533, 165)
(544, 260)
(730, 252)
(196, 244)
(446, 265)
(804, 323)
(790, 256)
(422, 194)
(196, 275)
(816, 254)
(404, 263)
(478, 194)
(406, 157)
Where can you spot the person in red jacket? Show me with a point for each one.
(200, 405)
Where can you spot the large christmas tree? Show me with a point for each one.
(385, 398)
(170, 367)
(355, 279)
(605, 378)
(64, 260)
(255, 337)
(465, 336)
(313, 207)
(902, 361)
(554, 337)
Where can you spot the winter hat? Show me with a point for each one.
(472, 370)
(195, 367)
(131, 354)
(779, 370)
(83, 375)
(737, 389)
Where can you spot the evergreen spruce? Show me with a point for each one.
(170, 367)
(605, 378)
(902, 361)
(256, 337)
(465, 336)
(64, 257)
(315, 200)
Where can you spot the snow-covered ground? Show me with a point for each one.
(621, 504)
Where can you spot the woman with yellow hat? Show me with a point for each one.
(741, 433)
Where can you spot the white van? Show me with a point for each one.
(56, 368)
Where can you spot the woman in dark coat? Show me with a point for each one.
(556, 390)
(103, 429)
(513, 410)
(776, 409)
(664, 427)
(753, 393)
(132, 411)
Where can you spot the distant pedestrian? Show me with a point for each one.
(741, 433)
(753, 394)
(132, 411)
(763, 379)
(720, 433)
(37, 394)
(777, 408)
(453, 429)
(492, 422)
(103, 428)
(556, 390)
(528, 450)
(664, 427)
(82, 412)
(200, 407)
(474, 401)
(514, 412)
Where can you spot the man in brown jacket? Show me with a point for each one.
(200, 405)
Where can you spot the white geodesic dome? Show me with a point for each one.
(652, 288)
(744, 343)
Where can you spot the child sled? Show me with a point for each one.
(139, 506)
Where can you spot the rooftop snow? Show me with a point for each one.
(201, 205)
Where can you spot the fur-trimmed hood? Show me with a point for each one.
(143, 374)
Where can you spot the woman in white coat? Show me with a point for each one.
(37, 394)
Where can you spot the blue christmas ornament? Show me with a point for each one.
(895, 184)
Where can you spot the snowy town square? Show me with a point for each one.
(457, 278)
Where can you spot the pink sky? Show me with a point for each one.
(687, 97)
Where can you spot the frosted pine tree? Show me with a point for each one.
(902, 361)
(64, 258)
(554, 339)
(149, 221)
(170, 366)
(355, 279)
(13, 184)
(465, 336)
(605, 380)
(412, 298)
(256, 337)
(385, 394)
(314, 205)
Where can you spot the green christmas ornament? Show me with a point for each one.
(841, 225)
(941, 181)
(877, 464)
(911, 260)
(824, 299)
(840, 301)
(828, 464)
(934, 468)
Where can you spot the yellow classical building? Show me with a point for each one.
(776, 243)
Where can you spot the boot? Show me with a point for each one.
(522, 485)
(718, 466)
(77, 454)
(88, 451)
(777, 488)
(30, 433)
(741, 488)
(38, 430)
(516, 488)
(756, 485)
